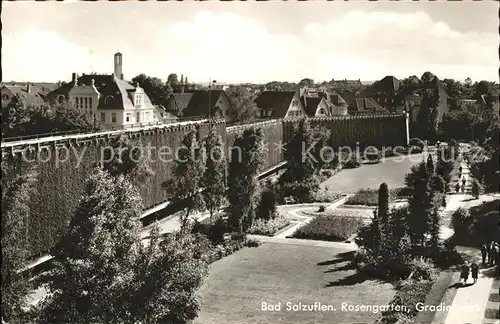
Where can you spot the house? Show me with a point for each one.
(199, 103)
(386, 93)
(26, 94)
(482, 106)
(280, 104)
(315, 106)
(338, 106)
(413, 99)
(363, 106)
(108, 98)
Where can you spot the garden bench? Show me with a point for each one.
(289, 200)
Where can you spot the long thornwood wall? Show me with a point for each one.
(60, 185)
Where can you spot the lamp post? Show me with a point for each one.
(209, 90)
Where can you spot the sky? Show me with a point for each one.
(259, 42)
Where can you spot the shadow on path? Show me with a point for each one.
(346, 258)
(354, 279)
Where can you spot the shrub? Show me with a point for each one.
(418, 143)
(410, 292)
(459, 221)
(447, 258)
(326, 174)
(269, 227)
(476, 189)
(329, 228)
(369, 197)
(267, 204)
(321, 209)
(352, 163)
(325, 195)
(217, 230)
(238, 237)
(252, 242)
(423, 269)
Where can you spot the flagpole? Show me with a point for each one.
(209, 85)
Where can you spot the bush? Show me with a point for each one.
(460, 221)
(418, 143)
(410, 292)
(269, 227)
(217, 230)
(329, 228)
(267, 204)
(238, 237)
(447, 258)
(321, 209)
(369, 197)
(423, 269)
(325, 174)
(352, 163)
(252, 242)
(325, 195)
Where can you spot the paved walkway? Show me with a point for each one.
(470, 302)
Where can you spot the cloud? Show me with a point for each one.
(38, 55)
(233, 48)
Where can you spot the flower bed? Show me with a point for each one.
(229, 247)
(369, 197)
(329, 228)
(343, 212)
(269, 227)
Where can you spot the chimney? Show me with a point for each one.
(73, 77)
(28, 87)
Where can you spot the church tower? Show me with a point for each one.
(118, 66)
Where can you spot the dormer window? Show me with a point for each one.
(109, 100)
(295, 103)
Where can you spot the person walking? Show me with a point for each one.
(465, 273)
(484, 252)
(457, 187)
(460, 169)
(463, 181)
(474, 271)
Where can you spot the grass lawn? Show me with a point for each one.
(391, 171)
(273, 273)
(369, 197)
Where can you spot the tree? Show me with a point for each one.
(468, 81)
(420, 208)
(103, 273)
(383, 203)
(438, 184)
(125, 157)
(418, 171)
(155, 88)
(213, 180)
(430, 165)
(428, 114)
(306, 82)
(242, 192)
(434, 230)
(267, 204)
(242, 106)
(16, 198)
(299, 180)
(185, 184)
(182, 78)
(172, 79)
(460, 124)
(476, 188)
(427, 77)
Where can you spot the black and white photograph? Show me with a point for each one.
(250, 162)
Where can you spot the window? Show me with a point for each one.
(103, 117)
(5, 97)
(90, 102)
(321, 111)
(85, 105)
(127, 117)
(113, 117)
(60, 99)
(108, 100)
(295, 103)
(138, 100)
(138, 117)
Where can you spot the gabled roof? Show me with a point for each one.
(278, 101)
(195, 102)
(33, 98)
(366, 105)
(388, 85)
(106, 85)
(337, 100)
(310, 104)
